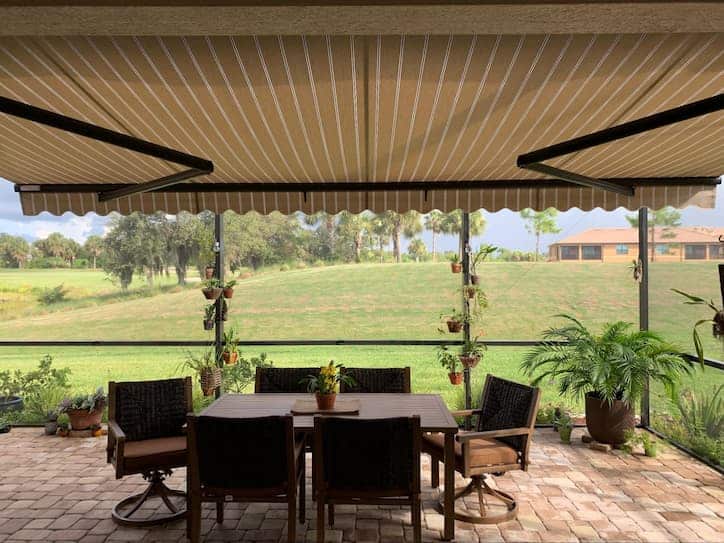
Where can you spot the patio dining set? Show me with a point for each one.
(253, 447)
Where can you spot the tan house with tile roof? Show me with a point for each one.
(621, 245)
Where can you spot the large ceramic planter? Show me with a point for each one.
(607, 423)
(82, 419)
(10, 403)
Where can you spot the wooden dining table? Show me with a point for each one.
(434, 417)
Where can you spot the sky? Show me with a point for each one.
(503, 228)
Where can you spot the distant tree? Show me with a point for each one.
(452, 223)
(182, 238)
(52, 246)
(417, 249)
(351, 229)
(539, 223)
(381, 230)
(433, 223)
(94, 247)
(401, 224)
(14, 251)
(255, 240)
(665, 219)
(324, 243)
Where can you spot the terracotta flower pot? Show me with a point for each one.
(454, 326)
(470, 292)
(210, 380)
(469, 361)
(209, 272)
(230, 358)
(208, 325)
(608, 423)
(228, 292)
(475, 279)
(456, 267)
(81, 419)
(325, 402)
(212, 293)
(456, 378)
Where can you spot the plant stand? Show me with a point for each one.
(156, 488)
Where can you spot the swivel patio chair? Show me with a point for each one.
(244, 460)
(500, 443)
(282, 380)
(380, 380)
(147, 436)
(367, 461)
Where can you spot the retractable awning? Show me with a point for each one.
(319, 122)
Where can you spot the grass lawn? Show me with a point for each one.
(363, 301)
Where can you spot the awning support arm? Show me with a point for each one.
(196, 165)
(534, 159)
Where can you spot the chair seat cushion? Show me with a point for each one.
(158, 453)
(483, 452)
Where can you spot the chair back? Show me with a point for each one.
(282, 380)
(505, 405)
(228, 454)
(380, 380)
(375, 457)
(150, 409)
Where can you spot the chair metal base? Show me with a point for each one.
(156, 488)
(480, 486)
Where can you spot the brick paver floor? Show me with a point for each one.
(55, 489)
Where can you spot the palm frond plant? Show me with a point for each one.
(206, 366)
(610, 370)
(483, 252)
(471, 352)
(703, 413)
(717, 321)
(455, 265)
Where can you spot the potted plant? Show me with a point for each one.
(5, 425)
(206, 367)
(451, 363)
(455, 265)
(230, 353)
(212, 289)
(84, 410)
(717, 321)
(229, 289)
(209, 271)
(471, 352)
(476, 297)
(51, 423)
(324, 385)
(483, 252)
(644, 439)
(63, 425)
(610, 371)
(454, 320)
(10, 389)
(209, 316)
(564, 424)
(224, 310)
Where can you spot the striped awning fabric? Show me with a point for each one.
(326, 109)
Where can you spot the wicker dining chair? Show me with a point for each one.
(147, 436)
(367, 461)
(500, 443)
(244, 460)
(380, 380)
(282, 380)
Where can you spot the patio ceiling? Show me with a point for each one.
(278, 114)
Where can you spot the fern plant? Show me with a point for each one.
(614, 365)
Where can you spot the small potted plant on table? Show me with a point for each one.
(451, 363)
(471, 352)
(84, 410)
(324, 385)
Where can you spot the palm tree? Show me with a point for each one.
(94, 247)
(402, 224)
(381, 228)
(354, 226)
(433, 223)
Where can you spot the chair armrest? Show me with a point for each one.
(469, 436)
(465, 412)
(116, 431)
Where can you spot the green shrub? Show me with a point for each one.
(237, 377)
(54, 295)
(703, 414)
